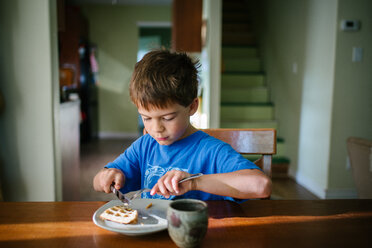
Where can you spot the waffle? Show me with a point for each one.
(120, 214)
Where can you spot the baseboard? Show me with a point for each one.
(341, 194)
(320, 192)
(117, 135)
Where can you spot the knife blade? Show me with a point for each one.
(120, 195)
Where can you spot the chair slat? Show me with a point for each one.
(247, 141)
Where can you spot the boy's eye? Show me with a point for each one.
(168, 119)
(146, 119)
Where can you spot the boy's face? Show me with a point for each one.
(167, 125)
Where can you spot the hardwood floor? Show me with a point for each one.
(96, 154)
(288, 189)
(93, 157)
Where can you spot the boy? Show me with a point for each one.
(164, 88)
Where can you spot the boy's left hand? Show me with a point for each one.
(168, 184)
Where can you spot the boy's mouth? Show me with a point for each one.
(162, 139)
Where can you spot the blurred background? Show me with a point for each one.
(301, 67)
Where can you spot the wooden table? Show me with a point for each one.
(256, 223)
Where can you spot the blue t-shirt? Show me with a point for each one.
(145, 161)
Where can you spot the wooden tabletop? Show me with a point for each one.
(256, 223)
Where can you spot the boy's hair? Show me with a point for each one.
(162, 77)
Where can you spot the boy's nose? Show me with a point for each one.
(158, 127)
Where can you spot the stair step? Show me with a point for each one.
(245, 100)
(239, 80)
(234, 5)
(245, 95)
(234, 38)
(239, 51)
(242, 65)
(280, 165)
(249, 124)
(243, 27)
(280, 148)
(240, 17)
(240, 112)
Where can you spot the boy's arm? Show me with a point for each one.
(241, 184)
(124, 171)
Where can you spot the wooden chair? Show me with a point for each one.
(250, 141)
(360, 154)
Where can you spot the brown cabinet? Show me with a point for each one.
(72, 31)
(186, 25)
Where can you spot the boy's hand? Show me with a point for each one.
(168, 184)
(105, 177)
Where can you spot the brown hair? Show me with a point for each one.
(163, 77)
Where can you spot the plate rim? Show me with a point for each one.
(126, 231)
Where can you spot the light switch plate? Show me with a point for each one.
(357, 54)
(348, 163)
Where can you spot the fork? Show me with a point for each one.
(139, 192)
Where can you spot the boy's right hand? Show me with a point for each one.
(106, 177)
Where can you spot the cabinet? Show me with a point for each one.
(76, 76)
(73, 30)
(186, 25)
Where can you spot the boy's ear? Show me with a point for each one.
(194, 106)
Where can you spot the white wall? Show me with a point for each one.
(327, 98)
(26, 75)
(211, 62)
(317, 94)
(299, 51)
(352, 98)
(282, 46)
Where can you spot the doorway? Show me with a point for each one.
(152, 36)
(120, 38)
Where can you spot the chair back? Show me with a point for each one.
(360, 154)
(249, 141)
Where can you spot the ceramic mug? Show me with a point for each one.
(187, 222)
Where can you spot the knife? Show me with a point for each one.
(120, 195)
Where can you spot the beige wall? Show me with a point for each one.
(283, 34)
(298, 54)
(352, 98)
(320, 97)
(114, 30)
(211, 63)
(316, 105)
(28, 49)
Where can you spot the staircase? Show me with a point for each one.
(245, 98)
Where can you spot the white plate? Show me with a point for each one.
(150, 220)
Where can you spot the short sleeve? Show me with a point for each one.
(229, 160)
(128, 162)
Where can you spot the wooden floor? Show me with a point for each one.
(96, 154)
(288, 189)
